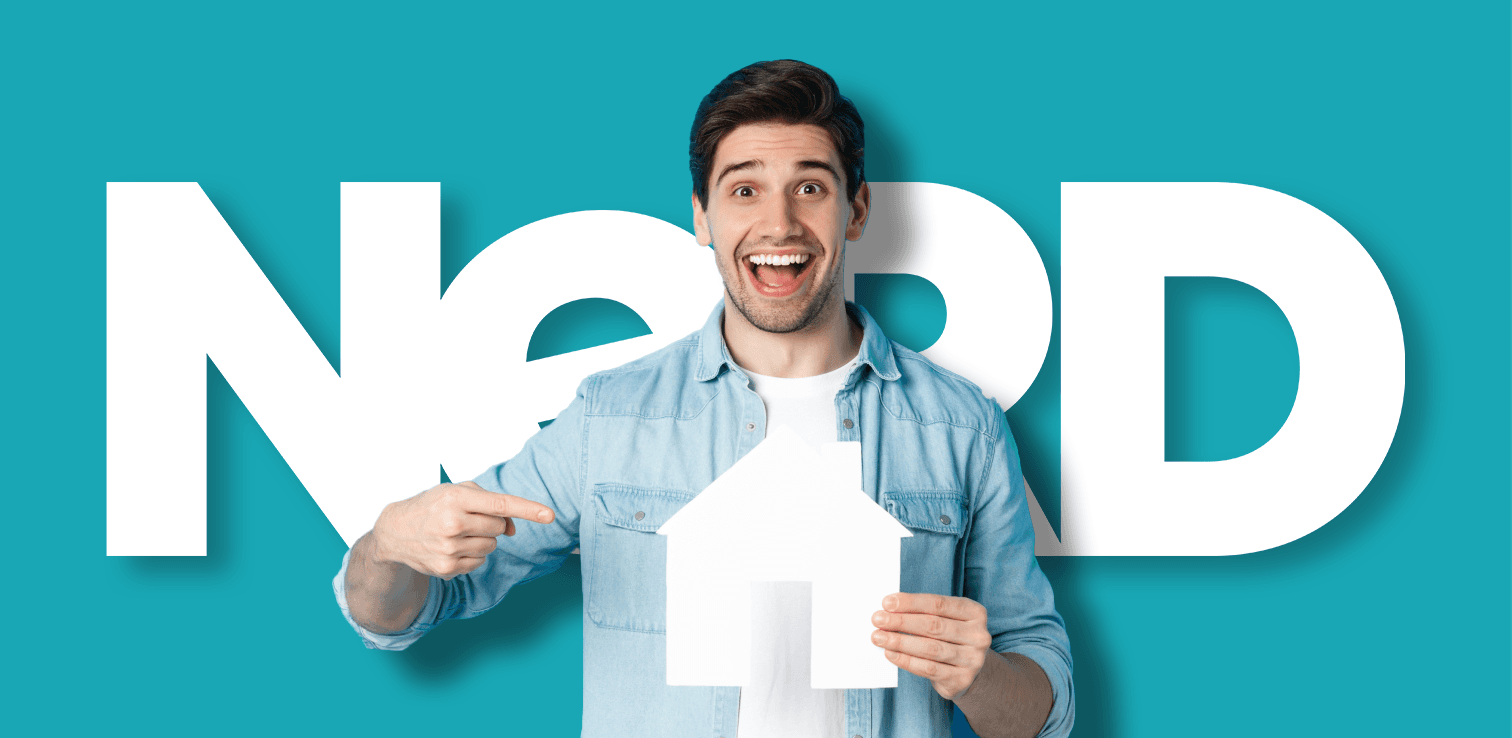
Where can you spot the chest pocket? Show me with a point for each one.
(627, 565)
(937, 520)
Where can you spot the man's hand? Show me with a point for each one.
(943, 639)
(448, 530)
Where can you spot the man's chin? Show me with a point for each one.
(777, 319)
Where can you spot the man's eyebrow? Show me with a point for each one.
(747, 164)
(816, 164)
(757, 163)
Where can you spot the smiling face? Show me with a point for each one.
(778, 219)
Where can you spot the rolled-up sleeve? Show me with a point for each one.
(1004, 576)
(547, 470)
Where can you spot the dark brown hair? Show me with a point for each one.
(783, 91)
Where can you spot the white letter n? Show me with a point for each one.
(180, 286)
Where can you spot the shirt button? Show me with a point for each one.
(642, 516)
(750, 426)
(944, 519)
(847, 423)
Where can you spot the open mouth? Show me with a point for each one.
(777, 275)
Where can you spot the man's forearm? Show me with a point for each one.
(382, 596)
(1011, 698)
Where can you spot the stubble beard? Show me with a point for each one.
(785, 318)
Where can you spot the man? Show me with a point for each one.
(779, 188)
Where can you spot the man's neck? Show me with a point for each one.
(826, 345)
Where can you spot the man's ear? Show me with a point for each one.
(701, 223)
(860, 208)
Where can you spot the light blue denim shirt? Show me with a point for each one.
(641, 440)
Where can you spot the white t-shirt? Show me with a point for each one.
(779, 703)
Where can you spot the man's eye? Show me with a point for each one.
(744, 192)
(810, 189)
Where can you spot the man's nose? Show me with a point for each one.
(779, 219)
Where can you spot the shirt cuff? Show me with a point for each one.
(1063, 709)
(389, 641)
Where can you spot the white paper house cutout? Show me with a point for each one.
(784, 512)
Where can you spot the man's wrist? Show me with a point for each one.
(1011, 696)
(372, 542)
(981, 686)
(378, 560)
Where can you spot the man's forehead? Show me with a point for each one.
(779, 145)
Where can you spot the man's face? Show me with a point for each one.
(779, 219)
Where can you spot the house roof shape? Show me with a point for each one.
(808, 491)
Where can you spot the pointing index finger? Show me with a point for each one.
(478, 500)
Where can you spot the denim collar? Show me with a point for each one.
(876, 349)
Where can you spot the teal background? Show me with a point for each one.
(1393, 619)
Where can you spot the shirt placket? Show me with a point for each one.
(751, 429)
(847, 422)
(858, 702)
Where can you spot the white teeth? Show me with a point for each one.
(775, 260)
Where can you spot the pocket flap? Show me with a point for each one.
(939, 511)
(638, 508)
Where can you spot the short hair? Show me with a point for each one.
(783, 91)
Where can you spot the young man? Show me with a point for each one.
(779, 188)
